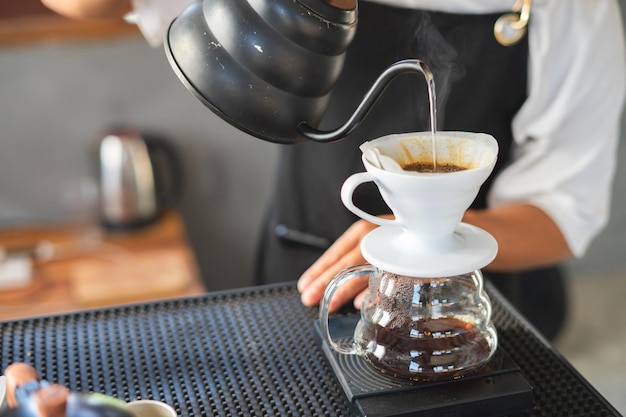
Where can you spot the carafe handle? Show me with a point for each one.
(348, 274)
(347, 190)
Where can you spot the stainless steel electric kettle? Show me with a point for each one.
(140, 177)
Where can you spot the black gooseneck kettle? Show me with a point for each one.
(268, 66)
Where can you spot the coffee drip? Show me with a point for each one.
(426, 316)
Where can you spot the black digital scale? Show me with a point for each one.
(497, 389)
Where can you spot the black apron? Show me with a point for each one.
(480, 86)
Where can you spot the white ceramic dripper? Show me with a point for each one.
(427, 238)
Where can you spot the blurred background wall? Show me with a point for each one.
(57, 96)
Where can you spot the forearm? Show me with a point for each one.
(527, 237)
(89, 9)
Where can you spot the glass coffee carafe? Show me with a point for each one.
(422, 329)
(426, 316)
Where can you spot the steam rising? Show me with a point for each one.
(429, 45)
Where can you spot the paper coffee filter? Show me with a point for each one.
(466, 149)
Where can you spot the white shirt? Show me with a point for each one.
(566, 133)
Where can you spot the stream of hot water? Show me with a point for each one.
(432, 102)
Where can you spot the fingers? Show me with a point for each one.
(314, 291)
(333, 256)
(348, 291)
(358, 300)
(51, 400)
(18, 374)
(343, 253)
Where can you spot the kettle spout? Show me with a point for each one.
(408, 66)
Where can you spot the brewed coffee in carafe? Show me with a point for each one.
(425, 329)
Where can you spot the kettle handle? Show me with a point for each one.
(168, 188)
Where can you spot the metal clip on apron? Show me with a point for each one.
(511, 27)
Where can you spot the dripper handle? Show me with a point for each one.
(347, 190)
(338, 280)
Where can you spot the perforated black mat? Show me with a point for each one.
(242, 353)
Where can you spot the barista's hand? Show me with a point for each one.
(345, 252)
